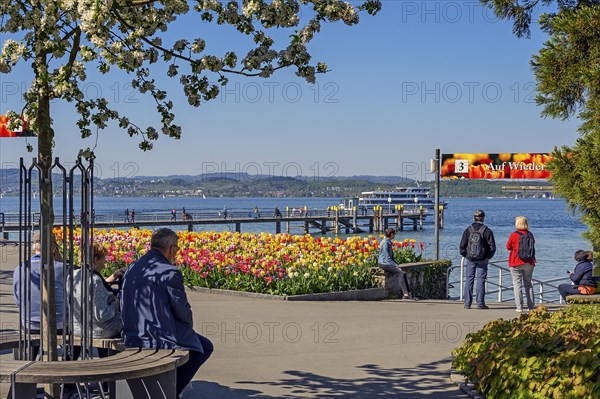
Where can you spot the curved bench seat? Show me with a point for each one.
(9, 367)
(150, 373)
(129, 364)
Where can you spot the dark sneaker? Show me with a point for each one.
(467, 306)
(483, 307)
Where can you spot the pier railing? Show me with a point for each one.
(546, 291)
(11, 219)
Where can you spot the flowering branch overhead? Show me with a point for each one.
(72, 35)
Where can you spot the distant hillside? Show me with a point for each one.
(245, 185)
(247, 177)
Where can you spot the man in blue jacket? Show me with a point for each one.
(155, 309)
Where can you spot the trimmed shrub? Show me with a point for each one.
(430, 282)
(540, 355)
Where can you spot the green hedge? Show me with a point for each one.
(540, 355)
(429, 282)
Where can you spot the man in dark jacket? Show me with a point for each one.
(477, 246)
(155, 309)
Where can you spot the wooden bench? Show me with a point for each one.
(149, 373)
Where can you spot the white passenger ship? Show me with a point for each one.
(409, 197)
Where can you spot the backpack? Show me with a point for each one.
(475, 246)
(526, 250)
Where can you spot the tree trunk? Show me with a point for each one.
(45, 143)
(45, 139)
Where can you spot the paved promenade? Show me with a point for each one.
(267, 349)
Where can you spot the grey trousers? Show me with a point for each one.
(521, 277)
(397, 271)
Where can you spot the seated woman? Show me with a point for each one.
(106, 315)
(583, 281)
(387, 262)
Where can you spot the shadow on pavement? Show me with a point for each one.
(430, 380)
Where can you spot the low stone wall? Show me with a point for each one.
(578, 298)
(427, 280)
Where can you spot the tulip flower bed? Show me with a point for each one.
(279, 264)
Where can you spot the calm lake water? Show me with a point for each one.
(557, 233)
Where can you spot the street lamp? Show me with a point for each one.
(389, 204)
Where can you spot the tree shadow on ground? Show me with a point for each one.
(431, 380)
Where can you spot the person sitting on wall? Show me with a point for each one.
(388, 264)
(584, 282)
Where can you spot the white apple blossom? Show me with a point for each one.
(62, 38)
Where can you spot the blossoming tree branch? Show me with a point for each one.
(60, 39)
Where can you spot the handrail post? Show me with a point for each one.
(500, 286)
(541, 292)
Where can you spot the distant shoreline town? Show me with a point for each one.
(245, 185)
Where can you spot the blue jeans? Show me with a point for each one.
(568, 289)
(521, 277)
(475, 269)
(186, 371)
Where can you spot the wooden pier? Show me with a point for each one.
(333, 220)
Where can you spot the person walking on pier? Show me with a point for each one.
(277, 213)
(173, 215)
(132, 216)
(477, 246)
(225, 212)
(155, 309)
(184, 214)
(127, 215)
(256, 212)
(521, 261)
(388, 264)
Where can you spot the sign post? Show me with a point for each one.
(435, 167)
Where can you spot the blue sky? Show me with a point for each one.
(418, 76)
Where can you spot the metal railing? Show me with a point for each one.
(12, 218)
(547, 290)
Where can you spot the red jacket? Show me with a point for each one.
(513, 246)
